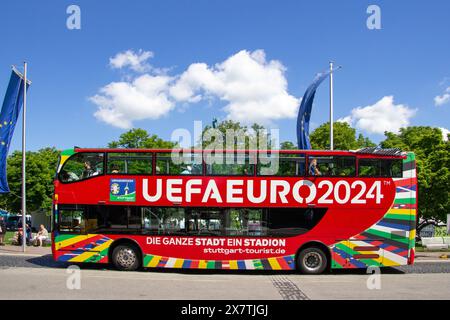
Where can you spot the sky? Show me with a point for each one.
(161, 65)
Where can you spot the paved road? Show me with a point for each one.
(40, 278)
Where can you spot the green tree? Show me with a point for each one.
(433, 173)
(40, 172)
(288, 145)
(253, 135)
(140, 139)
(344, 137)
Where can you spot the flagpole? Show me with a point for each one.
(331, 106)
(24, 199)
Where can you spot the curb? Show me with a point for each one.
(434, 260)
(21, 254)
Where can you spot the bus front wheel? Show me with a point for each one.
(126, 258)
(312, 260)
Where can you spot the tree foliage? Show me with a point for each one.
(344, 137)
(255, 136)
(140, 139)
(40, 171)
(432, 158)
(288, 145)
(433, 173)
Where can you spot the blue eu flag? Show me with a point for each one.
(8, 117)
(304, 112)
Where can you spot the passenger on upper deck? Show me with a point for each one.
(88, 171)
(313, 170)
(68, 176)
(115, 169)
(188, 170)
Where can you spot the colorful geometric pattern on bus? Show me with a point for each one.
(82, 248)
(386, 243)
(64, 156)
(94, 248)
(275, 263)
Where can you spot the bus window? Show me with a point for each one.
(113, 219)
(71, 220)
(134, 217)
(380, 168)
(164, 221)
(282, 165)
(82, 166)
(368, 167)
(396, 168)
(286, 222)
(179, 164)
(292, 165)
(231, 164)
(129, 163)
(331, 166)
(268, 164)
(205, 221)
(245, 222)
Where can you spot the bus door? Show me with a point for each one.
(70, 227)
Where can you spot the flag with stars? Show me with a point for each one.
(304, 112)
(8, 117)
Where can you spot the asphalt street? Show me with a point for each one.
(39, 277)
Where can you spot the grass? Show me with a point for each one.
(10, 235)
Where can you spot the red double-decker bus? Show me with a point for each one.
(252, 210)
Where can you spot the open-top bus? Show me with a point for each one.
(151, 208)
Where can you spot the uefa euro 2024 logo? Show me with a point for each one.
(115, 188)
(122, 190)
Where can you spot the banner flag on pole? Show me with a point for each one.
(8, 117)
(304, 112)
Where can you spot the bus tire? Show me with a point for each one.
(126, 258)
(312, 260)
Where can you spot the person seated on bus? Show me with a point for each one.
(313, 170)
(187, 170)
(76, 225)
(64, 175)
(88, 171)
(114, 169)
(68, 176)
(331, 170)
(191, 226)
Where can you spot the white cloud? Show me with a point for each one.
(382, 116)
(443, 99)
(120, 103)
(255, 90)
(445, 133)
(347, 119)
(136, 61)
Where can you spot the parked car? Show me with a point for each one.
(4, 214)
(14, 222)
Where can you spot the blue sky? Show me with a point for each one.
(407, 59)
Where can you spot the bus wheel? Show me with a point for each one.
(312, 260)
(126, 258)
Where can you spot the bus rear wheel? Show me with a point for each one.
(312, 260)
(126, 258)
